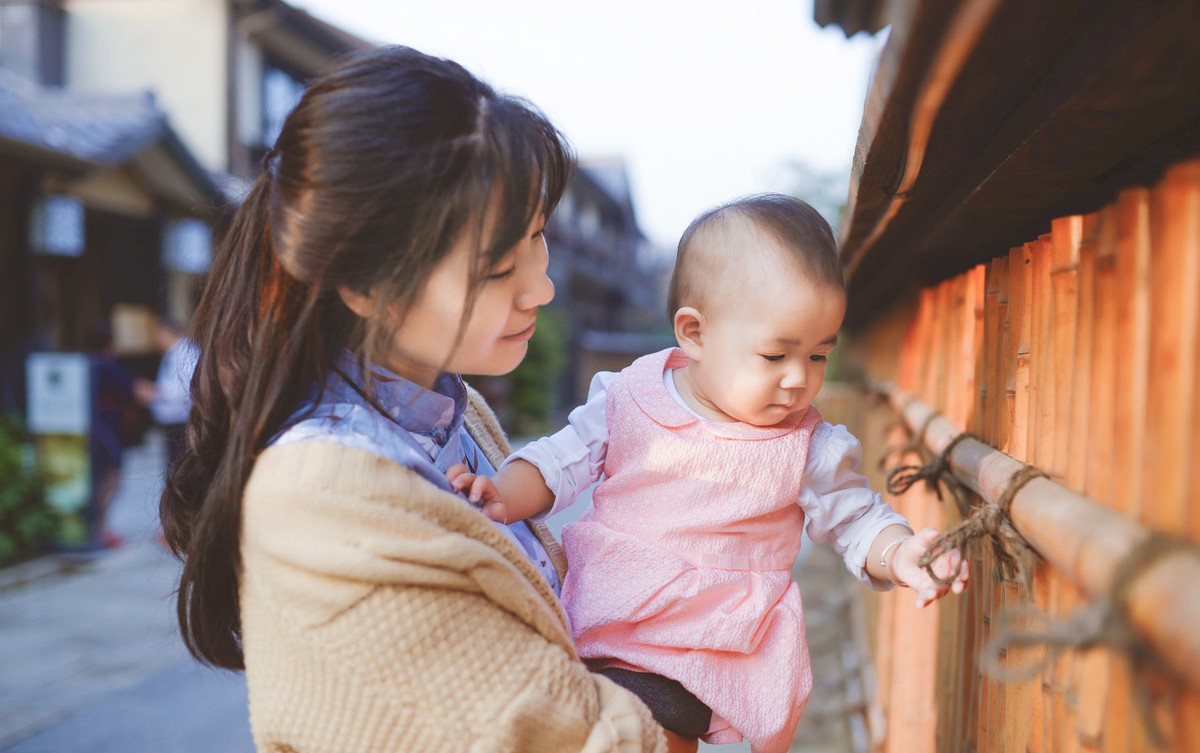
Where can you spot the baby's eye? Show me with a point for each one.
(773, 356)
(818, 358)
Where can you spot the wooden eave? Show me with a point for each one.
(988, 118)
(304, 42)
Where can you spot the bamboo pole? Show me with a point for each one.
(1174, 325)
(1083, 540)
(1129, 246)
(1111, 297)
(1092, 680)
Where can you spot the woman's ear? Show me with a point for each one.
(689, 331)
(362, 304)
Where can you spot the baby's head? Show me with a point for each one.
(756, 300)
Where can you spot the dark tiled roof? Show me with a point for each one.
(92, 129)
(95, 128)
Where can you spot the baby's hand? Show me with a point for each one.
(911, 574)
(481, 492)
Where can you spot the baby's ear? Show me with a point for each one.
(689, 331)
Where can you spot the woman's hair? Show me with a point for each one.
(800, 230)
(384, 164)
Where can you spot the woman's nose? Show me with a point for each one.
(538, 290)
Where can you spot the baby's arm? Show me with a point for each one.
(877, 543)
(516, 492)
(552, 470)
(894, 556)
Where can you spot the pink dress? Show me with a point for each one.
(682, 567)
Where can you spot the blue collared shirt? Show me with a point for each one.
(421, 429)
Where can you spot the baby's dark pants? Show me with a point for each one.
(671, 704)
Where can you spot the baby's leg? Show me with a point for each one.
(672, 705)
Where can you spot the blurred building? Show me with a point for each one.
(129, 127)
(126, 128)
(609, 278)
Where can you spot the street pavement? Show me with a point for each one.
(91, 660)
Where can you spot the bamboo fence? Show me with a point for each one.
(1075, 354)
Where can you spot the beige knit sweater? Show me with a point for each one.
(380, 614)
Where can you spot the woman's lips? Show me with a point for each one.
(524, 334)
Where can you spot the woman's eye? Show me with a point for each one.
(503, 274)
(818, 358)
(773, 357)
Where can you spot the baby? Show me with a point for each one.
(711, 462)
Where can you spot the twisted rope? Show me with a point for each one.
(1015, 558)
(934, 473)
(1105, 622)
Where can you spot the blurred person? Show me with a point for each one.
(172, 399)
(115, 395)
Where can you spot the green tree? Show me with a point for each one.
(534, 383)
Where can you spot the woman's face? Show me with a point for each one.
(501, 323)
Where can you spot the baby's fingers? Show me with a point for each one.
(457, 470)
(952, 569)
(496, 511)
(481, 488)
(461, 480)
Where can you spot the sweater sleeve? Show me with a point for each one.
(381, 614)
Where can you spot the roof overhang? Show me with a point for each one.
(78, 136)
(988, 118)
(298, 39)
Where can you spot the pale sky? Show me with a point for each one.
(704, 100)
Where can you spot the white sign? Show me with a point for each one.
(59, 391)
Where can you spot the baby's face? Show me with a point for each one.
(763, 353)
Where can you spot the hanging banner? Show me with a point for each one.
(59, 417)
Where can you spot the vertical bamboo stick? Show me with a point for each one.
(1009, 325)
(1100, 484)
(1065, 234)
(1064, 253)
(1132, 223)
(1020, 309)
(1174, 349)
(1093, 667)
(1041, 375)
(1000, 406)
(964, 385)
(1174, 324)
(1080, 389)
(1133, 275)
(989, 352)
(972, 352)
(1040, 453)
(911, 363)
(935, 384)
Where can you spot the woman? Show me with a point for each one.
(392, 243)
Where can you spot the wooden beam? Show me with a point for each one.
(1083, 540)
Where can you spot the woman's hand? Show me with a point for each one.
(905, 571)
